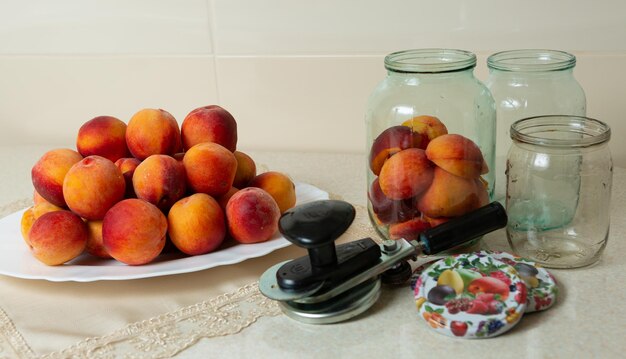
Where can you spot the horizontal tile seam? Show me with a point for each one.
(263, 56)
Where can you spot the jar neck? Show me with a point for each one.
(435, 76)
(531, 61)
(553, 74)
(560, 131)
(429, 61)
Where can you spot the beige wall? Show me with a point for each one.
(295, 74)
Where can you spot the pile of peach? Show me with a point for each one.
(425, 176)
(128, 188)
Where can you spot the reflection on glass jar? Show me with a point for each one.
(527, 83)
(431, 140)
(559, 174)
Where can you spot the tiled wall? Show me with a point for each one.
(295, 74)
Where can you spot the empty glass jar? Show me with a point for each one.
(559, 174)
(431, 139)
(526, 83)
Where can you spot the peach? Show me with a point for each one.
(279, 186)
(391, 141)
(406, 174)
(134, 231)
(489, 285)
(252, 215)
(452, 196)
(37, 198)
(434, 222)
(127, 166)
(39, 209)
(92, 186)
(209, 124)
(482, 188)
(427, 125)
(160, 180)
(28, 218)
(457, 155)
(409, 230)
(49, 172)
(388, 210)
(153, 132)
(58, 237)
(196, 224)
(246, 170)
(223, 200)
(210, 168)
(103, 136)
(95, 247)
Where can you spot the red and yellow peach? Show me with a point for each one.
(49, 172)
(134, 231)
(196, 224)
(252, 215)
(210, 168)
(458, 155)
(160, 180)
(92, 186)
(153, 132)
(209, 124)
(57, 237)
(406, 174)
(279, 186)
(103, 136)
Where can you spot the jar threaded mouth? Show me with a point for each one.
(531, 60)
(560, 131)
(430, 61)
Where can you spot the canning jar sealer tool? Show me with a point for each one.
(335, 283)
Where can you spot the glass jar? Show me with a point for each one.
(431, 139)
(559, 212)
(527, 83)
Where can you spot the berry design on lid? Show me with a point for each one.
(470, 296)
(541, 285)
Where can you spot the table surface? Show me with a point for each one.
(219, 310)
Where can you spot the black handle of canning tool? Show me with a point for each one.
(315, 226)
(464, 228)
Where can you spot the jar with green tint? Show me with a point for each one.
(430, 127)
(526, 83)
(559, 174)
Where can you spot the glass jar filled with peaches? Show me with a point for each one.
(431, 140)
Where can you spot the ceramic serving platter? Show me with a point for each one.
(17, 261)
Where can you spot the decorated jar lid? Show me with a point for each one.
(541, 285)
(417, 272)
(470, 296)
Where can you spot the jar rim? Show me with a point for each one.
(433, 60)
(534, 130)
(531, 60)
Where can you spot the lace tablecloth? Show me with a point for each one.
(220, 313)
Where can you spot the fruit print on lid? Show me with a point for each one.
(542, 287)
(470, 296)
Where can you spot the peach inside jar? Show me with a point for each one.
(423, 177)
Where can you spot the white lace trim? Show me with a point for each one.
(12, 344)
(169, 334)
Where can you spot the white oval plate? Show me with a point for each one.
(17, 261)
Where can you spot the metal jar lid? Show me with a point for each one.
(470, 296)
(336, 309)
(541, 285)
